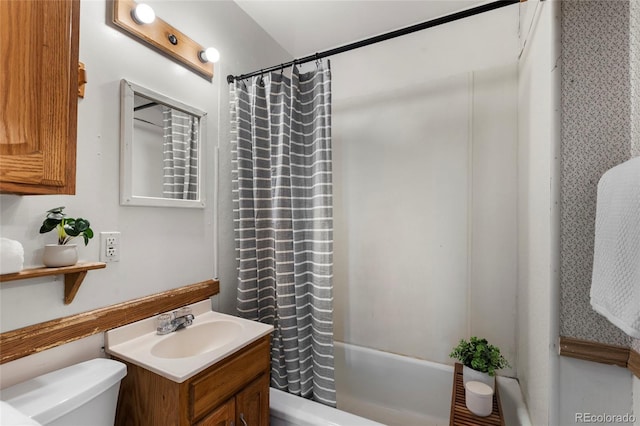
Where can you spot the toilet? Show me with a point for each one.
(82, 394)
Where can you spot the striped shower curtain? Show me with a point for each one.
(282, 186)
(180, 154)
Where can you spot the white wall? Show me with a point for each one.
(538, 221)
(424, 139)
(636, 400)
(593, 388)
(161, 248)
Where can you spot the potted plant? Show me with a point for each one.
(63, 253)
(480, 360)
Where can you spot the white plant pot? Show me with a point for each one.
(469, 374)
(60, 255)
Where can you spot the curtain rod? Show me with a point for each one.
(382, 37)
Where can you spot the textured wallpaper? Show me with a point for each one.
(634, 69)
(595, 137)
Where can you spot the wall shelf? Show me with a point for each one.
(73, 276)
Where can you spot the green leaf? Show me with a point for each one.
(479, 355)
(49, 225)
(70, 228)
(81, 224)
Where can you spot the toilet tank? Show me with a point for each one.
(82, 394)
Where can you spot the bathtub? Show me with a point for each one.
(375, 387)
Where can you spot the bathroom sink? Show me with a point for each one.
(182, 354)
(196, 339)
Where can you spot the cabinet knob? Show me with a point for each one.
(244, 422)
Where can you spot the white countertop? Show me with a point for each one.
(133, 343)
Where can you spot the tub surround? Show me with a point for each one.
(538, 209)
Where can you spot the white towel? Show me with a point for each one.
(615, 284)
(11, 256)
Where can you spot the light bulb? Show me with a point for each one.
(211, 54)
(143, 14)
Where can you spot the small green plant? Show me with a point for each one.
(66, 227)
(479, 355)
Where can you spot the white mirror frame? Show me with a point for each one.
(127, 198)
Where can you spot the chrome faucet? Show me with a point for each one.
(168, 323)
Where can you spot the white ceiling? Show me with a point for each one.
(304, 27)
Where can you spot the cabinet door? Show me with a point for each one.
(222, 416)
(38, 94)
(252, 403)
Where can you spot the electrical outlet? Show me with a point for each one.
(109, 246)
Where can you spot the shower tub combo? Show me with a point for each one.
(375, 387)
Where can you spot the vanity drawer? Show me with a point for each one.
(220, 382)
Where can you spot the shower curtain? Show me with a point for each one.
(282, 186)
(180, 154)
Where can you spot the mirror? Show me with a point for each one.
(161, 150)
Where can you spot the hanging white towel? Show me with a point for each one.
(615, 284)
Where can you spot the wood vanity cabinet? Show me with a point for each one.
(39, 41)
(249, 407)
(234, 391)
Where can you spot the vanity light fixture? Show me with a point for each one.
(143, 14)
(210, 54)
(135, 20)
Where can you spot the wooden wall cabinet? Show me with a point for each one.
(39, 41)
(234, 391)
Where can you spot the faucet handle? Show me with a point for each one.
(184, 311)
(164, 323)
